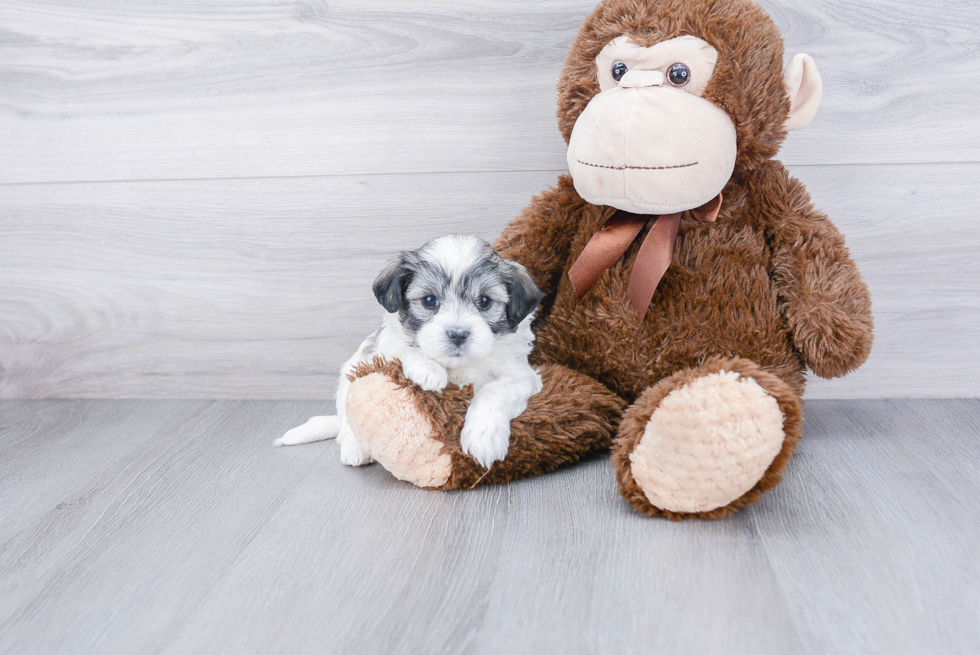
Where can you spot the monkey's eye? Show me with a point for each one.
(618, 70)
(483, 302)
(679, 75)
(430, 302)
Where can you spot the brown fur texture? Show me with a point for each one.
(771, 281)
(570, 419)
(767, 290)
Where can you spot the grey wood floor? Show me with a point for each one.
(173, 527)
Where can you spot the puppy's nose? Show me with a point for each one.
(458, 337)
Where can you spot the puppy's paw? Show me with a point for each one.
(485, 436)
(352, 453)
(426, 373)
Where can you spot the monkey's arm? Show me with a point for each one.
(821, 292)
(540, 237)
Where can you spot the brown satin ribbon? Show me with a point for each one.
(653, 259)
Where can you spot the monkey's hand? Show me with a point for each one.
(823, 297)
(832, 327)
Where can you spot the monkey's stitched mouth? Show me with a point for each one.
(637, 168)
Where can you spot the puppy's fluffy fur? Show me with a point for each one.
(457, 312)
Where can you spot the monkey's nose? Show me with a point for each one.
(634, 79)
(458, 337)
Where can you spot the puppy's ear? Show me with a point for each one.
(389, 286)
(524, 293)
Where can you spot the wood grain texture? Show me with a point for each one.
(880, 514)
(205, 539)
(129, 526)
(149, 90)
(261, 288)
(32, 475)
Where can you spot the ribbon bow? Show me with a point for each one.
(608, 244)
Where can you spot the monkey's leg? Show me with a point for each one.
(706, 441)
(414, 434)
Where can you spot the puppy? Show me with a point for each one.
(457, 312)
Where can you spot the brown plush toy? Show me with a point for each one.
(688, 280)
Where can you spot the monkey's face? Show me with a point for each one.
(648, 142)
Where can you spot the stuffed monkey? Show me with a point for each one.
(688, 281)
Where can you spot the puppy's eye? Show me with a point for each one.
(483, 302)
(430, 302)
(618, 70)
(679, 75)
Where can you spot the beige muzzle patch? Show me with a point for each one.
(651, 149)
(645, 145)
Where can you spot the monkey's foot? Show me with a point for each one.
(394, 428)
(415, 434)
(706, 441)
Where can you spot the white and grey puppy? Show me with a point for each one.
(457, 312)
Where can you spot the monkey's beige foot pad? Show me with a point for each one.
(388, 422)
(708, 441)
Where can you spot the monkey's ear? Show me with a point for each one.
(805, 89)
(389, 286)
(524, 294)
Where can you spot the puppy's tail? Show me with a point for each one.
(317, 428)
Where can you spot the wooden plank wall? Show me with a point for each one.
(195, 196)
